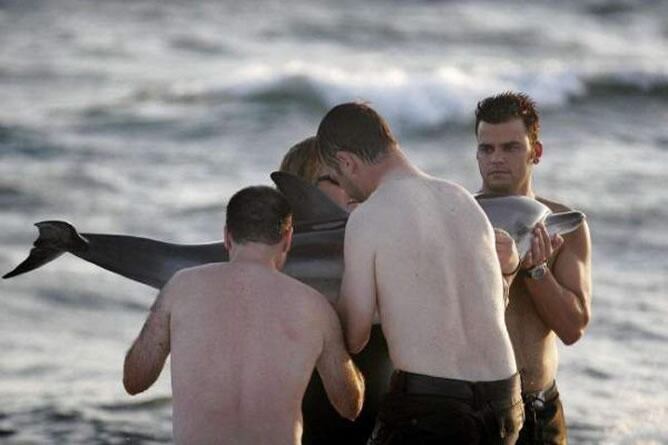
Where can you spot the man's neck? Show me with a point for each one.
(255, 253)
(395, 166)
(525, 189)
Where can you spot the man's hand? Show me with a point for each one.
(542, 247)
(506, 250)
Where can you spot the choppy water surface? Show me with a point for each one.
(144, 117)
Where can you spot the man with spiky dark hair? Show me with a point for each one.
(550, 297)
(244, 337)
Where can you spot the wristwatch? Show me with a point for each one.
(537, 272)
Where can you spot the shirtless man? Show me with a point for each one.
(421, 252)
(551, 296)
(244, 337)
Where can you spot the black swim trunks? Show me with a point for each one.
(421, 409)
(544, 423)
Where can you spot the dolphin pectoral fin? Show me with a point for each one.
(563, 222)
(54, 239)
(309, 204)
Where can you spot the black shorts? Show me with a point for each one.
(544, 423)
(421, 409)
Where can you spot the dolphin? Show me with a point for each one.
(518, 215)
(316, 254)
(316, 258)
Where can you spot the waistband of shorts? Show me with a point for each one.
(544, 395)
(412, 383)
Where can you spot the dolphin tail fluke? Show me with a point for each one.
(55, 238)
(563, 222)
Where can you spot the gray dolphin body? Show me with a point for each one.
(316, 258)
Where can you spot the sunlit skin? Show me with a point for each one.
(558, 304)
(384, 283)
(244, 344)
(331, 187)
(506, 157)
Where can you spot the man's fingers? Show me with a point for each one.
(536, 251)
(501, 236)
(545, 243)
(556, 241)
(527, 263)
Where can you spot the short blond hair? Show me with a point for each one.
(302, 160)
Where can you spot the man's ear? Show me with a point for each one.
(227, 239)
(287, 240)
(537, 152)
(347, 161)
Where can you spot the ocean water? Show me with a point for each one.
(144, 117)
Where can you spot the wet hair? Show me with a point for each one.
(302, 160)
(355, 128)
(258, 214)
(508, 106)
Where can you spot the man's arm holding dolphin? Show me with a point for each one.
(357, 300)
(343, 382)
(509, 259)
(563, 296)
(146, 358)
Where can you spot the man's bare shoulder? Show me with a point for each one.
(578, 238)
(367, 214)
(190, 273)
(306, 298)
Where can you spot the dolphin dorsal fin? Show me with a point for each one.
(309, 204)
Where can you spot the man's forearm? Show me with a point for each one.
(561, 309)
(355, 337)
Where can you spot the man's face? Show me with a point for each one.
(505, 156)
(331, 187)
(348, 179)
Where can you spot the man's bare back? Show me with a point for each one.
(244, 344)
(244, 338)
(421, 252)
(440, 291)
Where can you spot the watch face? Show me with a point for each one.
(538, 272)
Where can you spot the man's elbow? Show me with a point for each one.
(351, 407)
(356, 407)
(132, 381)
(357, 341)
(571, 336)
(132, 387)
(355, 347)
(574, 333)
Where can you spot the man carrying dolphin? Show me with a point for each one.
(551, 295)
(420, 252)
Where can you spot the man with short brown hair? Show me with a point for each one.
(420, 252)
(551, 296)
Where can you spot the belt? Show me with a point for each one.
(411, 383)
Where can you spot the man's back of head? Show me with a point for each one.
(258, 214)
(356, 128)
